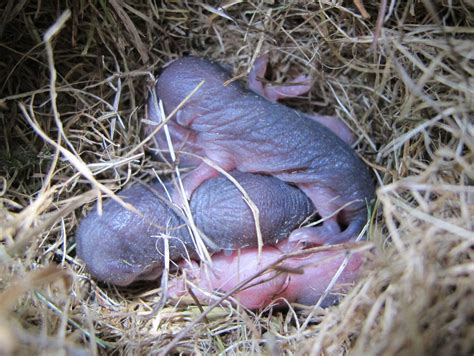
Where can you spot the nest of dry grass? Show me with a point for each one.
(75, 79)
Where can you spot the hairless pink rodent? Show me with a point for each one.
(243, 132)
(121, 247)
(237, 128)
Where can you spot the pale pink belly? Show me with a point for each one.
(302, 279)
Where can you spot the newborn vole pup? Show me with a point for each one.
(239, 129)
(121, 247)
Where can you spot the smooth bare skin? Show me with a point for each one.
(294, 88)
(121, 247)
(302, 279)
(239, 129)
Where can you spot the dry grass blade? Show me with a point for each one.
(128, 23)
(243, 284)
(76, 79)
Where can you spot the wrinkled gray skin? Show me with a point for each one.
(239, 129)
(121, 247)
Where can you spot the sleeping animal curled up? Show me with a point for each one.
(238, 129)
(121, 247)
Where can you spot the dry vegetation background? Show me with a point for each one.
(74, 81)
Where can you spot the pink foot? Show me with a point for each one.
(336, 227)
(193, 180)
(317, 235)
(327, 234)
(295, 87)
(336, 125)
